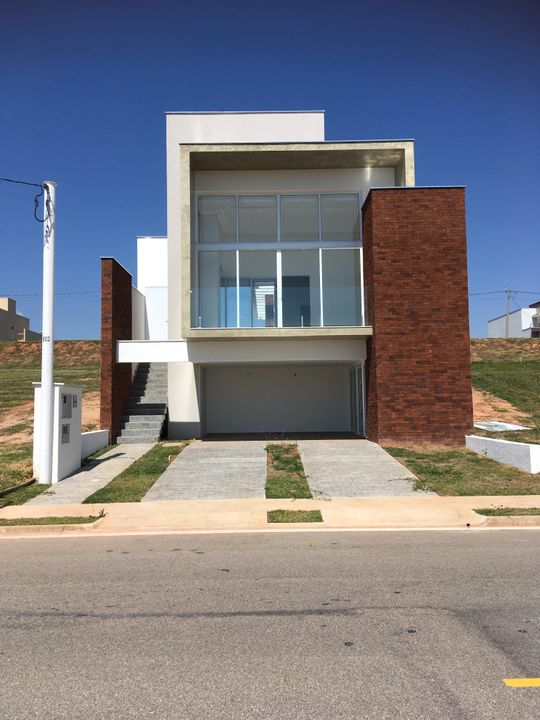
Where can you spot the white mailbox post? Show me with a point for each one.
(66, 449)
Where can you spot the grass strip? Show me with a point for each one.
(133, 484)
(294, 516)
(517, 382)
(506, 511)
(462, 472)
(67, 520)
(285, 473)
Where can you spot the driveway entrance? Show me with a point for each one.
(353, 468)
(214, 470)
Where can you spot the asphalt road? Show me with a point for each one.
(328, 625)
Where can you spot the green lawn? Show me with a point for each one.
(65, 520)
(462, 472)
(16, 382)
(133, 484)
(285, 473)
(518, 382)
(77, 362)
(293, 516)
(507, 511)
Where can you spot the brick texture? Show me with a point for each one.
(418, 377)
(115, 325)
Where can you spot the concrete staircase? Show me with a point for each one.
(147, 405)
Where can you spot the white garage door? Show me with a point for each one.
(283, 398)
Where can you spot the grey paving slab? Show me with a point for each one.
(92, 477)
(214, 470)
(353, 468)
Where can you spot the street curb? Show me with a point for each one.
(49, 530)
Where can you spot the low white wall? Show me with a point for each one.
(524, 456)
(93, 441)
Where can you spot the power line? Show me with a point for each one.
(36, 197)
(77, 292)
(22, 182)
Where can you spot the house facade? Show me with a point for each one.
(521, 323)
(13, 325)
(294, 290)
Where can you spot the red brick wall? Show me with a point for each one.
(418, 377)
(115, 325)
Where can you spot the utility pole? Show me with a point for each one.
(47, 340)
(507, 323)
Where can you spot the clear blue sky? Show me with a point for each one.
(85, 87)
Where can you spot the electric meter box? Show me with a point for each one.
(66, 430)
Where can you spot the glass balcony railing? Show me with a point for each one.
(290, 288)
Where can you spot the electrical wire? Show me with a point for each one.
(36, 197)
(38, 294)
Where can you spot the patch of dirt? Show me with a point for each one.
(24, 414)
(488, 407)
(67, 353)
(505, 349)
(18, 415)
(90, 410)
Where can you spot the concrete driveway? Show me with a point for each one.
(214, 470)
(353, 468)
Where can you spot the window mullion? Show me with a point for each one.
(279, 283)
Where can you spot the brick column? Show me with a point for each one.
(418, 376)
(115, 325)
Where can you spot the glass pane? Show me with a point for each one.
(217, 219)
(258, 289)
(299, 218)
(340, 217)
(341, 287)
(257, 219)
(300, 288)
(217, 290)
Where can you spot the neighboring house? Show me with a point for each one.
(521, 323)
(13, 325)
(294, 291)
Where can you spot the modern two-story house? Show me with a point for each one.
(294, 291)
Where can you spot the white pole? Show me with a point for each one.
(47, 343)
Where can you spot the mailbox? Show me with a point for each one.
(66, 430)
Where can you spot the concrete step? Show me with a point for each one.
(137, 418)
(151, 425)
(146, 439)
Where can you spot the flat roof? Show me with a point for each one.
(304, 155)
(242, 112)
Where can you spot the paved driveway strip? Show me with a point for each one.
(214, 470)
(93, 477)
(353, 468)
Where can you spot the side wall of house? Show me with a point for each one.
(116, 325)
(418, 373)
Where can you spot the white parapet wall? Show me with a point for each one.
(525, 456)
(93, 441)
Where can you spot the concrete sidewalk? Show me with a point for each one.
(422, 511)
(92, 477)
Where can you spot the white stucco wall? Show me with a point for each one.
(139, 325)
(152, 280)
(184, 128)
(286, 398)
(310, 350)
(291, 181)
(66, 455)
(520, 323)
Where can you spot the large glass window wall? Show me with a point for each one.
(277, 261)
